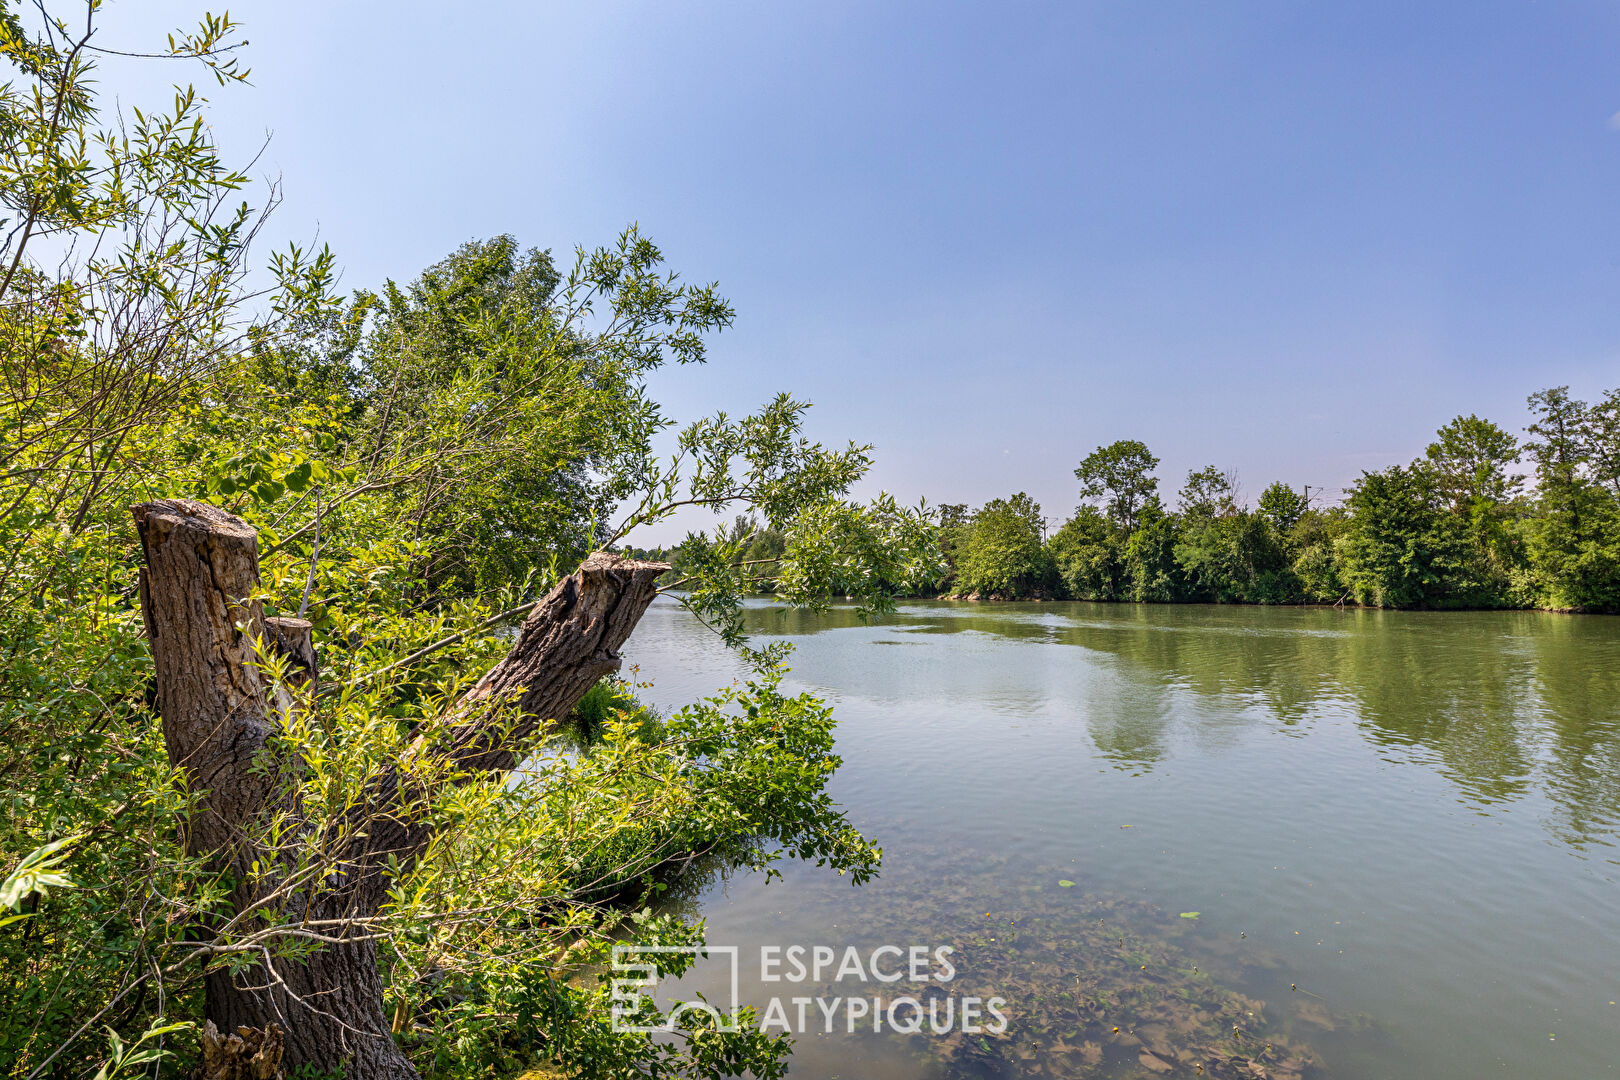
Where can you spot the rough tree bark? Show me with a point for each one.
(201, 571)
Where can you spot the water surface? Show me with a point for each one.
(1398, 830)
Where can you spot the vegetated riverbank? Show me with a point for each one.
(1342, 605)
(291, 657)
(1459, 528)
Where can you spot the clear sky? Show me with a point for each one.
(1287, 239)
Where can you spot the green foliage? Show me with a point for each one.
(1088, 555)
(1002, 551)
(1470, 458)
(1573, 541)
(1237, 557)
(1282, 507)
(125, 1058)
(1152, 573)
(1404, 547)
(1209, 493)
(1603, 441)
(1120, 476)
(1314, 545)
(36, 875)
(1454, 529)
(612, 700)
(509, 400)
(420, 464)
(739, 778)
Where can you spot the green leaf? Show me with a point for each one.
(1189, 914)
(297, 478)
(1065, 883)
(37, 873)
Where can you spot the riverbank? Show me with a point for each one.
(975, 598)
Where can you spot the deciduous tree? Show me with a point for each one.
(1120, 477)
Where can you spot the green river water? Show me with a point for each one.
(1398, 832)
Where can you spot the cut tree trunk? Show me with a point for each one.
(196, 598)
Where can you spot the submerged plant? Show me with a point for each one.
(1094, 985)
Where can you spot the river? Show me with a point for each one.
(1373, 845)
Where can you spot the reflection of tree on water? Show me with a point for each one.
(1504, 704)
(1577, 680)
(1464, 697)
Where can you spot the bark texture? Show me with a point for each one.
(295, 639)
(201, 565)
(246, 1055)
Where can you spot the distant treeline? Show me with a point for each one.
(1459, 527)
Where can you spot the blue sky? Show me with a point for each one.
(1287, 239)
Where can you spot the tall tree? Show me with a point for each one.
(1282, 506)
(1404, 548)
(1120, 477)
(286, 772)
(1003, 552)
(1560, 453)
(1209, 493)
(490, 347)
(1471, 458)
(1603, 439)
(1574, 540)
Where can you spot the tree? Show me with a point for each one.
(1404, 548)
(1003, 553)
(218, 725)
(1318, 560)
(1120, 477)
(1470, 457)
(1560, 455)
(1151, 568)
(1228, 554)
(1238, 558)
(259, 825)
(954, 520)
(1282, 506)
(1209, 493)
(1088, 555)
(1574, 542)
(1470, 460)
(1603, 440)
(275, 766)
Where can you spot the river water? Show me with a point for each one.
(1398, 832)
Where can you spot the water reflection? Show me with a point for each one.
(1507, 706)
(1408, 817)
